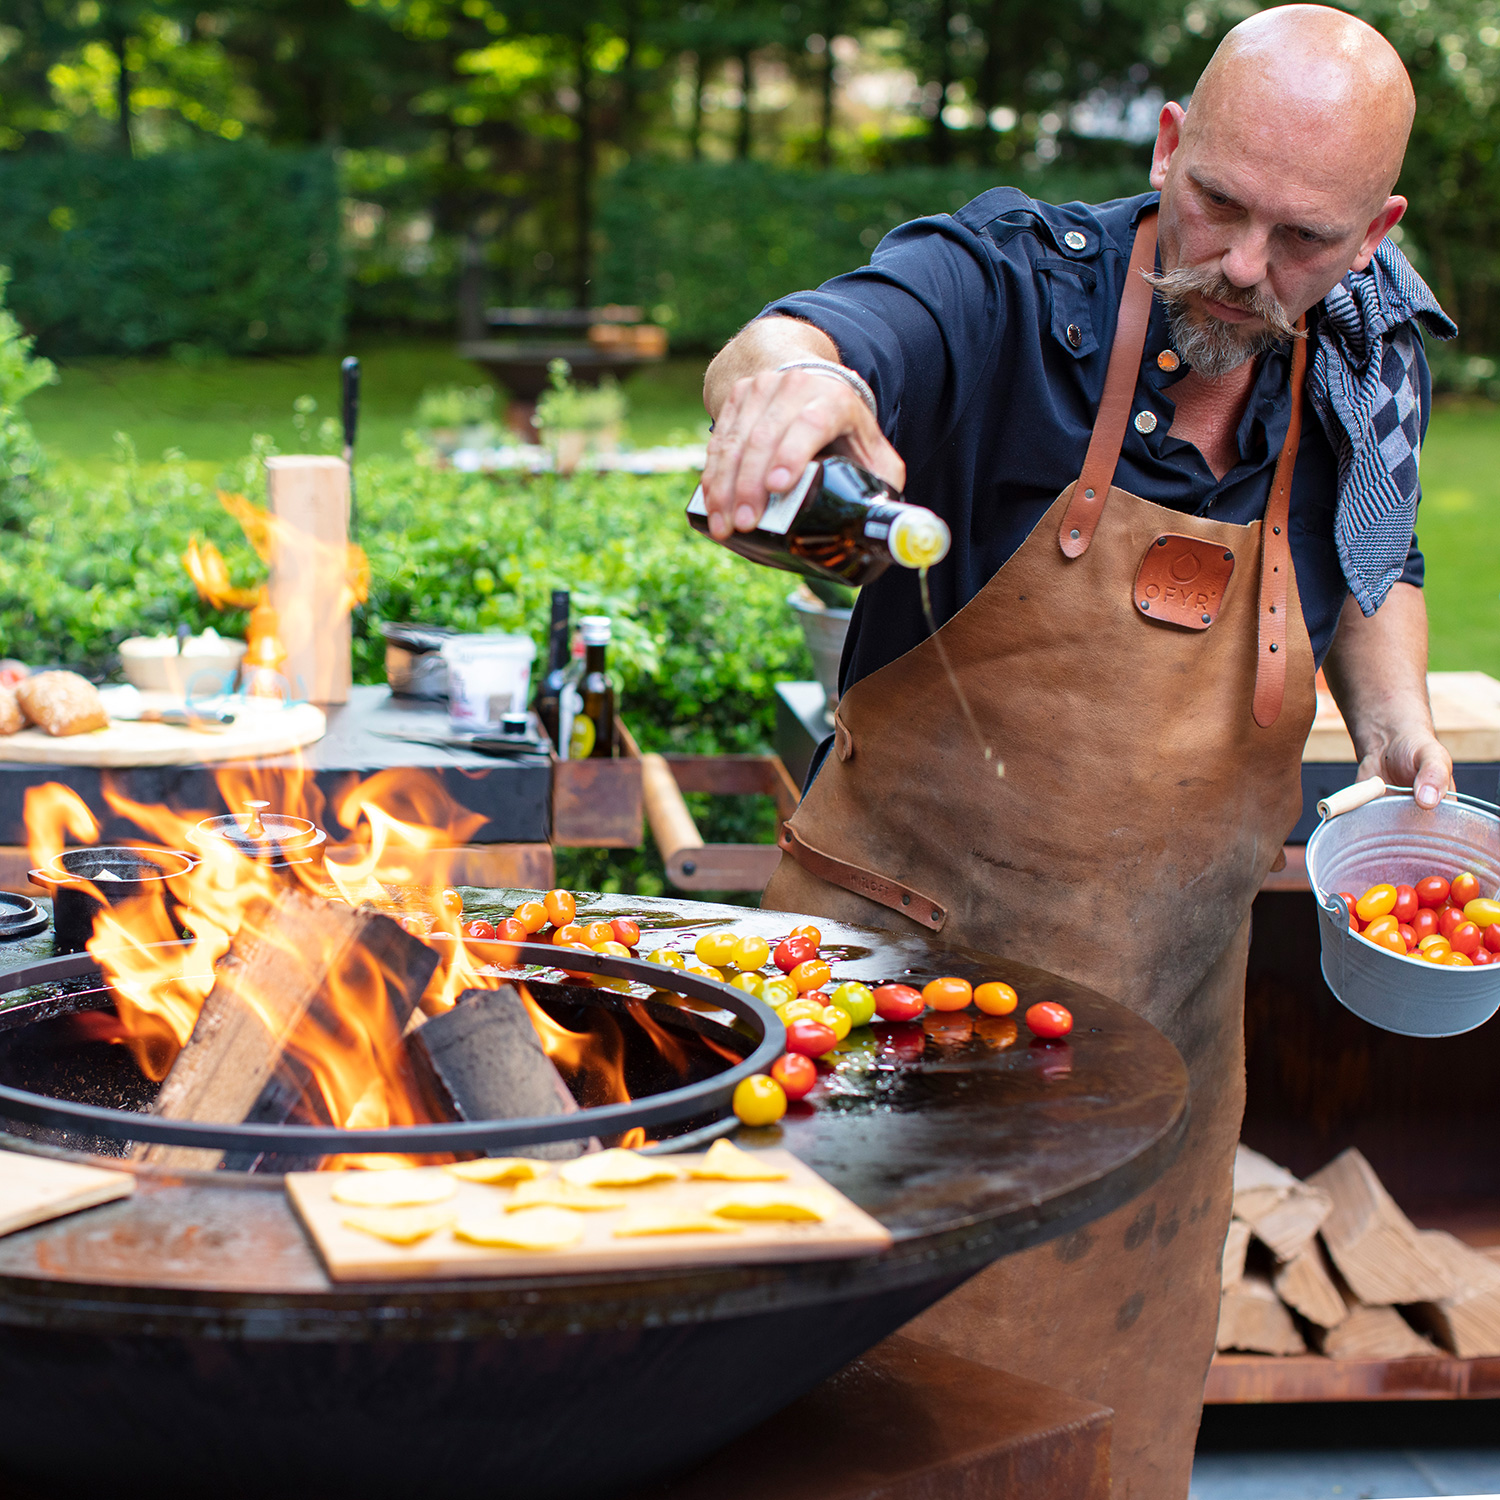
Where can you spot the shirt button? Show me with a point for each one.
(1145, 421)
(1168, 360)
(1075, 241)
(1075, 335)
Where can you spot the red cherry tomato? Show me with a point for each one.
(1408, 936)
(1349, 899)
(795, 1073)
(811, 1038)
(1449, 919)
(1049, 1019)
(1424, 924)
(511, 930)
(1467, 938)
(1432, 890)
(793, 951)
(626, 931)
(1492, 937)
(1465, 888)
(1482, 956)
(898, 1002)
(480, 930)
(1406, 903)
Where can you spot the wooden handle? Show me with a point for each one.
(671, 823)
(1351, 797)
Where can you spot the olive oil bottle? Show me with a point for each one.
(839, 522)
(592, 734)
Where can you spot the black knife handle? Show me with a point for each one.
(350, 369)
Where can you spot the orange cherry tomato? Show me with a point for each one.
(626, 931)
(560, 907)
(948, 994)
(1350, 901)
(532, 915)
(1458, 961)
(452, 903)
(1432, 890)
(996, 998)
(1375, 902)
(1449, 918)
(1381, 925)
(795, 1073)
(793, 951)
(1436, 943)
(1390, 937)
(898, 1002)
(1465, 888)
(1406, 903)
(811, 975)
(1049, 1019)
(810, 1038)
(570, 934)
(597, 932)
(1424, 924)
(810, 932)
(1467, 939)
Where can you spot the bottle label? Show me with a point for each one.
(583, 738)
(569, 712)
(780, 511)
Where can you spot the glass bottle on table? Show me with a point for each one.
(549, 692)
(593, 728)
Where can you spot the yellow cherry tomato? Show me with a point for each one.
(612, 948)
(812, 975)
(703, 971)
(1458, 961)
(777, 991)
(716, 948)
(808, 931)
(836, 1019)
(669, 956)
(751, 983)
(759, 1100)
(855, 998)
(800, 1010)
(750, 953)
(996, 999)
(1482, 912)
(1433, 943)
(948, 994)
(1375, 902)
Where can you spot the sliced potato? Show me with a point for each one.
(644, 1221)
(725, 1162)
(403, 1187)
(550, 1193)
(536, 1229)
(497, 1169)
(401, 1226)
(617, 1168)
(753, 1202)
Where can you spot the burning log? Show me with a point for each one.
(321, 978)
(483, 1060)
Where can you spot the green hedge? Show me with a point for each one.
(707, 245)
(233, 248)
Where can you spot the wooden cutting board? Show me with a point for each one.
(352, 1255)
(258, 732)
(34, 1189)
(1465, 713)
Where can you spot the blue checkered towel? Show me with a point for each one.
(1363, 387)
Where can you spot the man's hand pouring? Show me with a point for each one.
(770, 422)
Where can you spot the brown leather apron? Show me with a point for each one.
(1145, 680)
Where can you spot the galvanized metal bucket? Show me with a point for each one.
(1369, 833)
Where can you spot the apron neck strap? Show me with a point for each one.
(1092, 487)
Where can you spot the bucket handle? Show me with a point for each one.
(1350, 797)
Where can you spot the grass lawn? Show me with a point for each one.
(209, 413)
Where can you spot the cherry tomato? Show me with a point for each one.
(811, 1038)
(750, 953)
(479, 929)
(751, 982)
(1492, 937)
(811, 975)
(1408, 936)
(1482, 913)
(1380, 926)
(1375, 902)
(810, 932)
(669, 956)
(569, 932)
(836, 1019)
(795, 1073)
(511, 930)
(532, 915)
(1467, 939)
(1406, 903)
(996, 998)
(855, 1000)
(948, 994)
(1465, 888)
(626, 931)
(597, 932)
(452, 903)
(778, 990)
(1432, 890)
(759, 1100)
(1459, 961)
(801, 1009)
(1449, 918)
(703, 970)
(898, 1002)
(716, 948)
(1481, 957)
(1424, 924)
(560, 907)
(612, 948)
(1437, 943)
(793, 951)
(1390, 937)
(1048, 1019)
(1349, 902)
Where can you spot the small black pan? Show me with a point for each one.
(78, 878)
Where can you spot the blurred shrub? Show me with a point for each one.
(233, 249)
(21, 373)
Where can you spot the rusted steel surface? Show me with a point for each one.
(1239, 1378)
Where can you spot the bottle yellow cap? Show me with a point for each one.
(919, 538)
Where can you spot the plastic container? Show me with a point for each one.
(1371, 832)
(489, 676)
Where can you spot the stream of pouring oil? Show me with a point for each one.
(963, 701)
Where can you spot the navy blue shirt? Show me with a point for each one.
(985, 337)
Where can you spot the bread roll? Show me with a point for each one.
(11, 717)
(62, 703)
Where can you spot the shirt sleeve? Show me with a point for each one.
(919, 323)
(1415, 571)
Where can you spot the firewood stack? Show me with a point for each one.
(1332, 1262)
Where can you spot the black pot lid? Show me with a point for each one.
(258, 834)
(20, 916)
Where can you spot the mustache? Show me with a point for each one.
(1174, 287)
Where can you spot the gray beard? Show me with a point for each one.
(1212, 347)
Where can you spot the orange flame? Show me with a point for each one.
(52, 812)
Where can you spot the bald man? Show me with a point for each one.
(1175, 438)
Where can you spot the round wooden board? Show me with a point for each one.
(259, 732)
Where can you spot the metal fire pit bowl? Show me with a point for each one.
(187, 1341)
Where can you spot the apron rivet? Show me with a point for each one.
(1074, 533)
(1088, 494)
(1229, 557)
(1145, 604)
(937, 916)
(1161, 541)
(1208, 619)
(906, 900)
(1273, 609)
(1276, 531)
(1274, 646)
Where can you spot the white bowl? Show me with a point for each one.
(208, 664)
